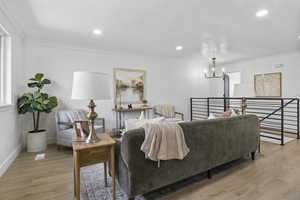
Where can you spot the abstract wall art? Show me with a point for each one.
(129, 85)
(268, 85)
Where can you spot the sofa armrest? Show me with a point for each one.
(130, 147)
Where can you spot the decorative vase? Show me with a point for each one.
(37, 141)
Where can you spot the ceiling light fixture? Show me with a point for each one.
(179, 48)
(262, 13)
(211, 72)
(299, 37)
(97, 32)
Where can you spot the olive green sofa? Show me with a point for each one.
(211, 142)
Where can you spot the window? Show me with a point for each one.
(234, 79)
(5, 68)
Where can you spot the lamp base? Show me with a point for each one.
(92, 138)
(92, 115)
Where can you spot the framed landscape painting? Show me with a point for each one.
(129, 85)
(268, 85)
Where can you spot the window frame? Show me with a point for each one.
(6, 98)
(231, 86)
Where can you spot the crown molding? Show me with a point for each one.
(50, 43)
(18, 27)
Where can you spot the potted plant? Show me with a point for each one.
(36, 102)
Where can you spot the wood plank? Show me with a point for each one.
(275, 175)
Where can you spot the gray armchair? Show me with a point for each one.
(65, 125)
(168, 111)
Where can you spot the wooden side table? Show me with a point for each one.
(90, 154)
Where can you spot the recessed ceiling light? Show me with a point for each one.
(299, 37)
(179, 48)
(97, 32)
(262, 13)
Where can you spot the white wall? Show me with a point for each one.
(171, 81)
(11, 140)
(290, 72)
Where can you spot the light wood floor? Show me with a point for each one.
(273, 176)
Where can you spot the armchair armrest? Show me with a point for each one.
(102, 120)
(65, 125)
(181, 114)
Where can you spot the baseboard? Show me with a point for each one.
(9, 160)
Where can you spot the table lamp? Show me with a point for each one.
(91, 86)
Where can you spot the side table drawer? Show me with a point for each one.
(94, 156)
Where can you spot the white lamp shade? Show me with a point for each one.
(90, 85)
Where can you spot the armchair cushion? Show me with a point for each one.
(65, 137)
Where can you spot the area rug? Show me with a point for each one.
(92, 184)
(285, 139)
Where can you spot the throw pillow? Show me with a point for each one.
(137, 123)
(212, 116)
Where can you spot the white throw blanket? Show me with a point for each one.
(164, 141)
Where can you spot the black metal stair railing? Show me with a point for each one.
(277, 116)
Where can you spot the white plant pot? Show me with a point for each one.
(37, 141)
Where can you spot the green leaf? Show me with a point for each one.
(46, 101)
(46, 81)
(39, 76)
(44, 95)
(28, 95)
(32, 85)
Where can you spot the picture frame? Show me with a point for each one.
(129, 85)
(268, 85)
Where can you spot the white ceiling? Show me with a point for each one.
(156, 26)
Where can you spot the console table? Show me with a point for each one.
(89, 154)
(120, 114)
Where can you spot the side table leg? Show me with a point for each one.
(113, 172)
(77, 176)
(105, 174)
(74, 172)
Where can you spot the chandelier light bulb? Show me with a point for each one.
(211, 72)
